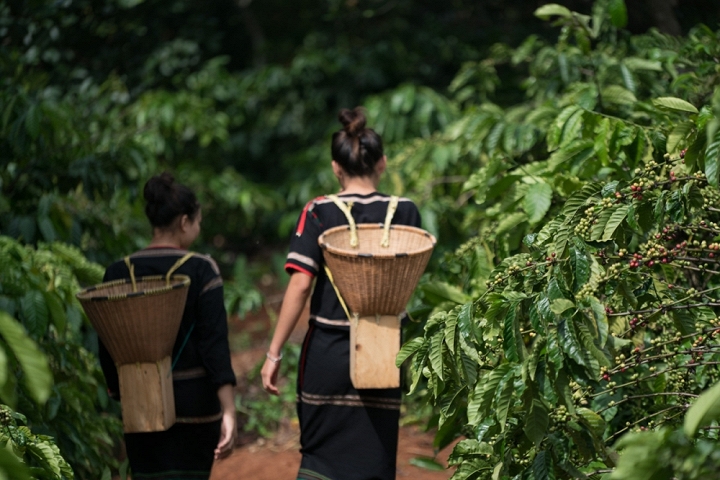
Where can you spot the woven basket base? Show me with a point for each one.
(374, 344)
(136, 329)
(146, 396)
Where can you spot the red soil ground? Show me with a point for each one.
(278, 458)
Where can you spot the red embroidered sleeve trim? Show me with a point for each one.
(292, 266)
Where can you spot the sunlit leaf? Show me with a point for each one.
(537, 201)
(407, 350)
(618, 95)
(437, 349)
(674, 103)
(594, 421)
(618, 13)
(679, 136)
(617, 217)
(504, 398)
(712, 161)
(427, 463)
(546, 11)
(37, 377)
(561, 305)
(12, 466)
(705, 409)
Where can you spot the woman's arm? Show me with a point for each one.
(228, 427)
(296, 296)
(211, 333)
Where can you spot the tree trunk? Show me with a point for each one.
(257, 35)
(663, 16)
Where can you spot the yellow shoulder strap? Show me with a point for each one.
(351, 221)
(131, 268)
(177, 265)
(337, 292)
(392, 207)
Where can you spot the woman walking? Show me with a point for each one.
(346, 434)
(203, 379)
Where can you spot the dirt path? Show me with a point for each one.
(279, 457)
(268, 460)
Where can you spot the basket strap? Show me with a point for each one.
(177, 265)
(392, 207)
(131, 268)
(182, 347)
(337, 292)
(172, 270)
(351, 221)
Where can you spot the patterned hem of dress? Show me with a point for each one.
(305, 474)
(205, 419)
(326, 321)
(361, 401)
(172, 475)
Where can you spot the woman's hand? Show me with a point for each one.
(228, 430)
(228, 427)
(269, 373)
(296, 296)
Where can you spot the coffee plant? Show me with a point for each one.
(39, 452)
(52, 385)
(584, 305)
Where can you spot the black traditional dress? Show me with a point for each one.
(201, 358)
(345, 433)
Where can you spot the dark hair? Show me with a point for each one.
(357, 149)
(167, 200)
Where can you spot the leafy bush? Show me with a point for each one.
(69, 401)
(584, 304)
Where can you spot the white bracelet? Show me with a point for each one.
(273, 359)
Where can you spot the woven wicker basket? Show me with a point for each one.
(373, 279)
(374, 269)
(138, 321)
(140, 325)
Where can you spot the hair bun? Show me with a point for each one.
(353, 120)
(158, 186)
(167, 199)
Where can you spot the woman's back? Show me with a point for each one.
(345, 433)
(322, 214)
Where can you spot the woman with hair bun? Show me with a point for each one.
(345, 433)
(203, 379)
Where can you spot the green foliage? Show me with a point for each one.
(20, 354)
(66, 405)
(97, 95)
(589, 275)
(263, 414)
(667, 453)
(241, 296)
(36, 374)
(28, 454)
(705, 409)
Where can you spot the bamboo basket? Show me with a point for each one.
(374, 279)
(138, 321)
(374, 269)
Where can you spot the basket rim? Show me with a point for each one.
(177, 281)
(367, 226)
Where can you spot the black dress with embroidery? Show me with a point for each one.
(346, 434)
(185, 451)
